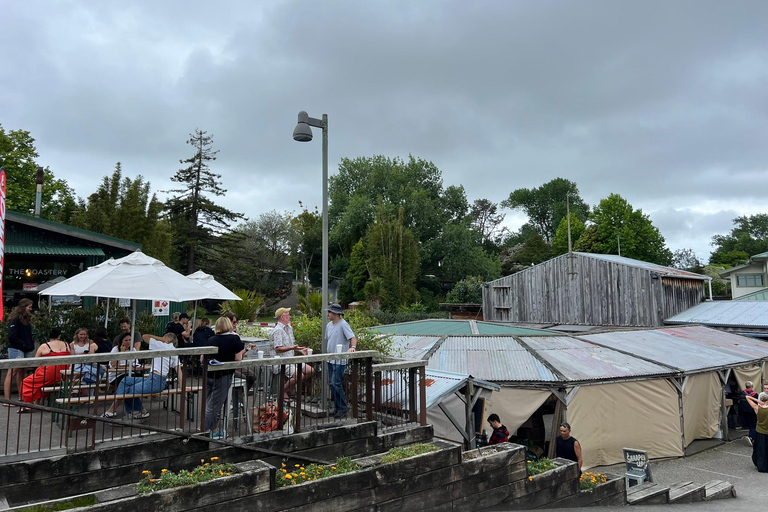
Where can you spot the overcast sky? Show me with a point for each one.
(664, 102)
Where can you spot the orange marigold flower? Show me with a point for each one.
(145, 472)
(288, 477)
(530, 478)
(214, 458)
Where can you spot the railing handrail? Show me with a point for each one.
(32, 362)
(280, 361)
(398, 365)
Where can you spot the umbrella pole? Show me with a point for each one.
(133, 333)
(106, 314)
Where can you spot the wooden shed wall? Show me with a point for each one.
(599, 292)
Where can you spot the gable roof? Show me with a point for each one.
(659, 269)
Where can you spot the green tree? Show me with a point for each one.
(197, 219)
(125, 208)
(560, 242)
(618, 228)
(18, 156)
(393, 256)
(749, 236)
(307, 244)
(546, 205)
(532, 251)
(467, 291)
(461, 254)
(358, 274)
(686, 259)
(487, 221)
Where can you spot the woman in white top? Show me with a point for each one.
(82, 344)
(155, 382)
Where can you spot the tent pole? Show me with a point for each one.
(194, 318)
(133, 333)
(106, 314)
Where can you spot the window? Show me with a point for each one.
(752, 280)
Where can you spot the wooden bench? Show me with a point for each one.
(77, 400)
(76, 387)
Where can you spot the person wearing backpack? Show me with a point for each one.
(747, 415)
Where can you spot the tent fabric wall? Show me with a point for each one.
(644, 415)
(515, 405)
(442, 426)
(702, 401)
(745, 373)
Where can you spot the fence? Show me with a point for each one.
(74, 403)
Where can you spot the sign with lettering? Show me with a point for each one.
(637, 464)
(161, 308)
(2, 235)
(30, 287)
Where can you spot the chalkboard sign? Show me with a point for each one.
(637, 465)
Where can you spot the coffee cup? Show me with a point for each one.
(309, 351)
(338, 348)
(260, 354)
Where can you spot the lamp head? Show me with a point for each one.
(302, 132)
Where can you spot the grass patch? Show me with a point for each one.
(203, 473)
(589, 481)
(85, 501)
(299, 474)
(539, 466)
(404, 452)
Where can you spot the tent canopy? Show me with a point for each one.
(207, 281)
(136, 276)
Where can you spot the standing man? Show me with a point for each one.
(284, 345)
(338, 332)
(567, 446)
(125, 328)
(500, 432)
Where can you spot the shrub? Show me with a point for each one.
(251, 331)
(540, 466)
(467, 291)
(204, 472)
(589, 481)
(300, 474)
(404, 452)
(246, 308)
(308, 332)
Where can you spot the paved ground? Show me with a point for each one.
(731, 461)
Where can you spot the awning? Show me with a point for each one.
(53, 250)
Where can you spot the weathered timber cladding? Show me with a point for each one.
(598, 292)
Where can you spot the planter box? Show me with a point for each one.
(611, 493)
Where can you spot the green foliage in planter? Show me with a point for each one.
(300, 474)
(251, 331)
(540, 466)
(404, 452)
(204, 472)
(85, 501)
(588, 481)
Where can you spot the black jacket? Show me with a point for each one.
(20, 336)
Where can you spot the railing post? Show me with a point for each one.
(280, 400)
(412, 395)
(369, 388)
(183, 399)
(355, 385)
(377, 391)
(423, 396)
(203, 394)
(297, 416)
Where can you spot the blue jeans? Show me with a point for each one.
(153, 383)
(336, 381)
(14, 353)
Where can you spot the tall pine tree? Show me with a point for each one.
(196, 219)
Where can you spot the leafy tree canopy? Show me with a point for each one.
(461, 254)
(531, 251)
(487, 221)
(18, 156)
(749, 236)
(546, 205)
(618, 228)
(467, 291)
(686, 259)
(560, 242)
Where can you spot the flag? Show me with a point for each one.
(2, 236)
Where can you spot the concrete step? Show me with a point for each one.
(718, 490)
(648, 494)
(686, 492)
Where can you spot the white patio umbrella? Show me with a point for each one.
(136, 277)
(221, 292)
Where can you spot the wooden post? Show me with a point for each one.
(377, 391)
(296, 418)
(369, 388)
(204, 392)
(183, 397)
(280, 400)
(412, 395)
(423, 396)
(355, 385)
(470, 424)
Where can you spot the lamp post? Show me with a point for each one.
(303, 133)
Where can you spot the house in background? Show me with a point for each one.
(584, 289)
(750, 277)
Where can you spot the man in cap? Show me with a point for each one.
(338, 334)
(284, 345)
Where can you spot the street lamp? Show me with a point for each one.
(303, 133)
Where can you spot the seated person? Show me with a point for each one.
(103, 345)
(125, 327)
(153, 383)
(119, 369)
(202, 333)
(32, 386)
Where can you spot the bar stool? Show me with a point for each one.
(239, 412)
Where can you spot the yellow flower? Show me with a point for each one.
(214, 458)
(165, 471)
(302, 468)
(309, 479)
(284, 470)
(283, 464)
(202, 461)
(302, 473)
(145, 472)
(288, 477)
(530, 478)
(297, 465)
(295, 475)
(221, 473)
(528, 461)
(333, 467)
(151, 479)
(320, 467)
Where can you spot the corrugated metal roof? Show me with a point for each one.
(413, 347)
(754, 296)
(725, 313)
(578, 360)
(53, 250)
(496, 359)
(667, 271)
(686, 348)
(451, 327)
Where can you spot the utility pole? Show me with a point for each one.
(570, 247)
